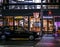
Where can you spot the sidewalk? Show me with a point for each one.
(47, 41)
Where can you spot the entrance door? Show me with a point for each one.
(48, 25)
(18, 24)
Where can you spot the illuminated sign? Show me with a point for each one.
(17, 17)
(47, 17)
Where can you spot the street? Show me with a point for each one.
(48, 40)
(20, 43)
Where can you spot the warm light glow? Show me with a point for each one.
(49, 12)
(36, 15)
(18, 17)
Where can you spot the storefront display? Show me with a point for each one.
(8, 21)
(35, 23)
(30, 23)
(48, 25)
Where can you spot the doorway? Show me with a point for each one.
(18, 24)
(48, 25)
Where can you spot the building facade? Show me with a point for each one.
(27, 13)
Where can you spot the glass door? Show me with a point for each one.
(44, 26)
(18, 25)
(48, 25)
(8, 21)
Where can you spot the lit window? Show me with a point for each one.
(25, 6)
(38, 6)
(39, 1)
(44, 6)
(20, 0)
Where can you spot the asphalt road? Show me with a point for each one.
(21, 43)
(45, 41)
(48, 40)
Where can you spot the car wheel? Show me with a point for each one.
(31, 37)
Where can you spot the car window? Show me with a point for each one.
(20, 29)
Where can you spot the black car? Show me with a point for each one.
(18, 33)
(6, 33)
(24, 33)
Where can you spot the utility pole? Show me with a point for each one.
(41, 16)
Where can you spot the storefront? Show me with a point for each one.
(30, 23)
(48, 24)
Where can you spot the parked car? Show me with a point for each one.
(7, 34)
(23, 33)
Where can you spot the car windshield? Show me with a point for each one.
(6, 27)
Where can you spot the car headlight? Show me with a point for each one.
(38, 33)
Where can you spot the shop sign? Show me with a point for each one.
(47, 17)
(18, 17)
